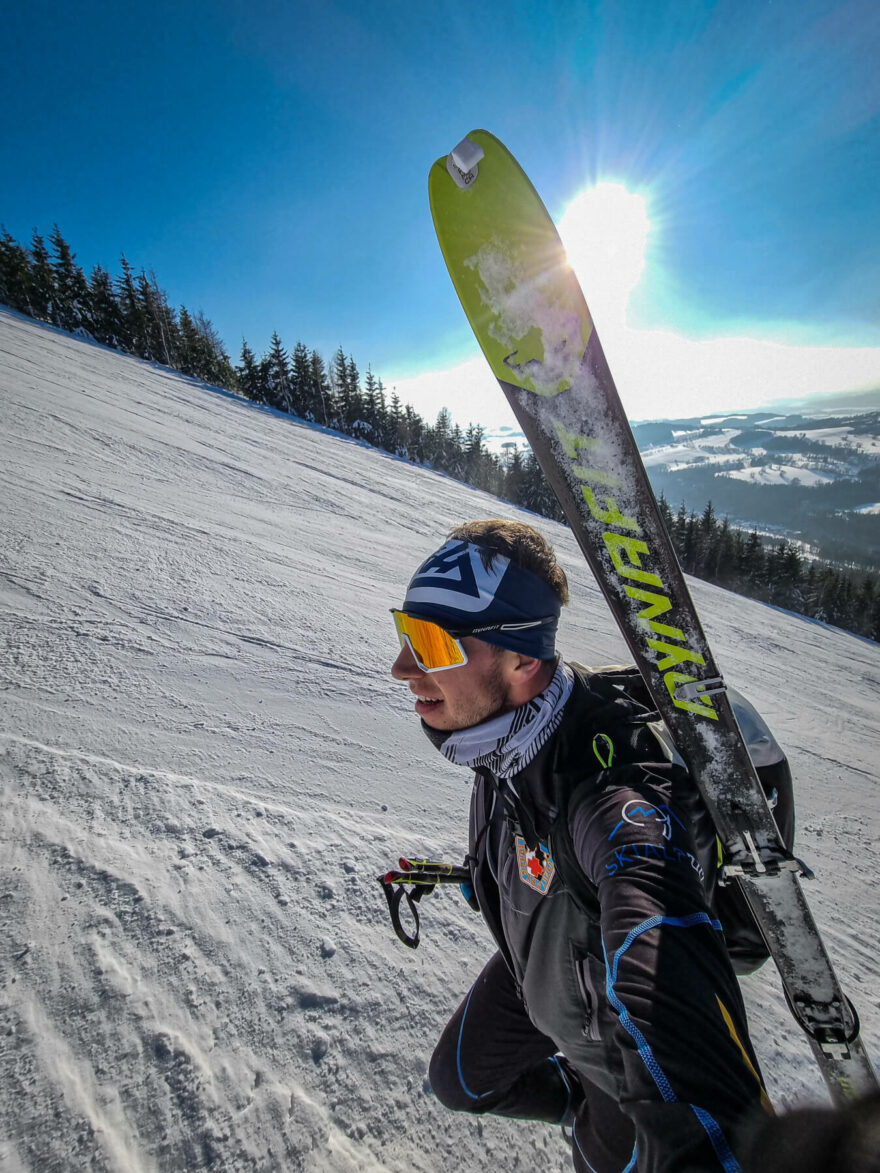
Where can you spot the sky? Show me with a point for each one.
(269, 162)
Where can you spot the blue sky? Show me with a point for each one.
(269, 160)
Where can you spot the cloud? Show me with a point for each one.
(468, 389)
(663, 374)
(660, 373)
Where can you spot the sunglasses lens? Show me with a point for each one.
(432, 647)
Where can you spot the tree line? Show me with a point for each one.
(131, 313)
(773, 572)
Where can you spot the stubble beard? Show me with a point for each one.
(492, 701)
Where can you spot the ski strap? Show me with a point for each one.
(414, 879)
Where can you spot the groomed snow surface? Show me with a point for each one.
(205, 764)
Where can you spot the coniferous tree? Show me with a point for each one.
(248, 371)
(437, 440)
(71, 289)
(393, 425)
(666, 515)
(472, 467)
(846, 604)
(791, 572)
(810, 589)
(865, 601)
(165, 330)
(723, 567)
(42, 284)
(873, 625)
(680, 528)
(131, 327)
(753, 565)
(515, 478)
(356, 425)
(300, 384)
(338, 375)
(188, 344)
(320, 391)
(370, 406)
(456, 453)
(106, 320)
(704, 540)
(191, 354)
(278, 374)
(215, 365)
(15, 275)
(153, 343)
(689, 545)
(412, 436)
(534, 492)
(381, 424)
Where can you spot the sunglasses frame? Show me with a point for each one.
(457, 634)
(407, 642)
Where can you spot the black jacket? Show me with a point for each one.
(639, 994)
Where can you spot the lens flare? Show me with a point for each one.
(605, 233)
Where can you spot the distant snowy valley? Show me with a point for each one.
(814, 479)
(205, 764)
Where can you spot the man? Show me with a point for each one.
(611, 1003)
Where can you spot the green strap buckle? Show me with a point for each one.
(603, 748)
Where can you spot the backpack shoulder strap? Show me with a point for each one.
(622, 732)
(582, 890)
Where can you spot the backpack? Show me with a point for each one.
(745, 944)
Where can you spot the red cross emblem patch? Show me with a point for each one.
(536, 867)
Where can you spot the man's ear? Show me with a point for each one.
(527, 666)
(531, 674)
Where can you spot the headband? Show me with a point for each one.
(454, 589)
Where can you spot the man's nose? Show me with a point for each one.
(405, 666)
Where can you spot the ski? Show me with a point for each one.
(530, 318)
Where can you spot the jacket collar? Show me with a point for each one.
(534, 793)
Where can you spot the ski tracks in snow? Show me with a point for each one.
(162, 983)
(189, 976)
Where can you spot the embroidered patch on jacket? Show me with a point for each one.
(536, 868)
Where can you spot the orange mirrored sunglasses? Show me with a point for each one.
(433, 648)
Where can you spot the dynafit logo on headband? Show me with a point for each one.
(455, 577)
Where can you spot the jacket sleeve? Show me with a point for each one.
(688, 1070)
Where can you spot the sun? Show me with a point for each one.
(605, 233)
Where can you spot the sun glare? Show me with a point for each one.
(605, 232)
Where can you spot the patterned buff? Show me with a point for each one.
(454, 589)
(506, 744)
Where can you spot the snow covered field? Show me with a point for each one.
(679, 456)
(855, 453)
(204, 766)
(781, 474)
(843, 437)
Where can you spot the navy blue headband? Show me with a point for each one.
(454, 589)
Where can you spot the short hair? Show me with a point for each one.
(520, 543)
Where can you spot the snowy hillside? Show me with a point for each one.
(205, 764)
(845, 450)
(811, 479)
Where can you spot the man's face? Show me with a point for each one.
(459, 697)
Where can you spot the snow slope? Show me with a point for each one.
(204, 766)
(780, 474)
(840, 437)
